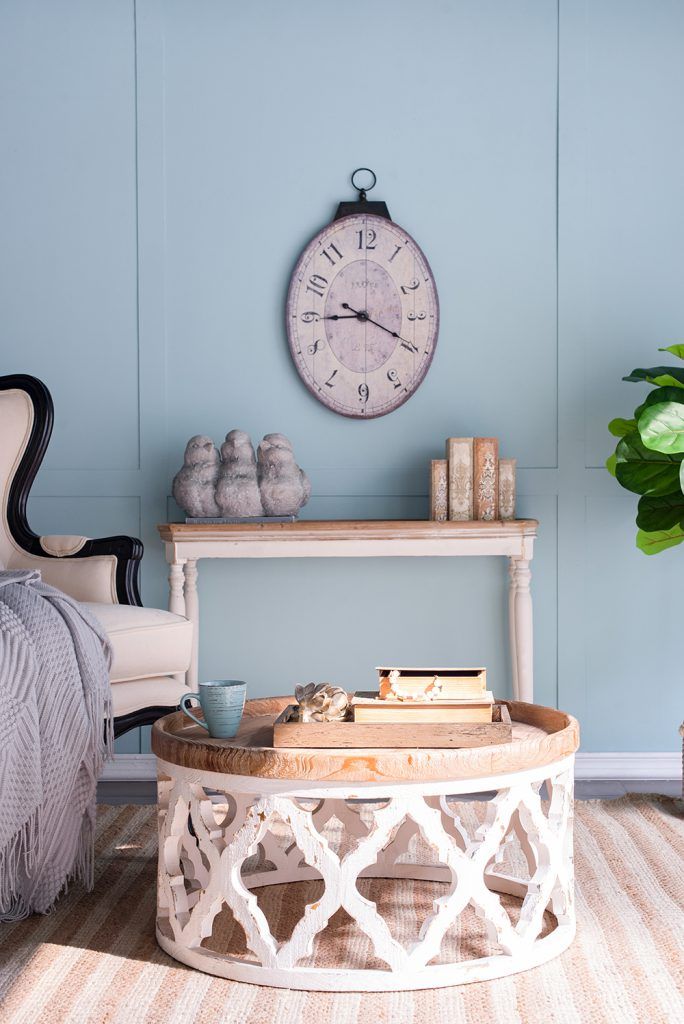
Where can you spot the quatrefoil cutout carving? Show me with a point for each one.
(204, 866)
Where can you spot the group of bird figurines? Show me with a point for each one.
(237, 484)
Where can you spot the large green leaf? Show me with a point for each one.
(660, 395)
(676, 350)
(611, 463)
(652, 543)
(660, 513)
(643, 470)
(664, 376)
(661, 427)
(620, 427)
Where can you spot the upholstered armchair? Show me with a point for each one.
(151, 648)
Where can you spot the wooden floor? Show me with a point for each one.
(586, 789)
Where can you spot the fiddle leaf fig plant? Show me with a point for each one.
(649, 455)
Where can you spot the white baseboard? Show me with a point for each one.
(635, 766)
(655, 765)
(130, 768)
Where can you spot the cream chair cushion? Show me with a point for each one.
(135, 694)
(146, 642)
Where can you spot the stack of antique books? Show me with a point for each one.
(426, 695)
(472, 482)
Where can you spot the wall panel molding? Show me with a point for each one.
(553, 223)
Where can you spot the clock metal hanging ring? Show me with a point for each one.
(362, 189)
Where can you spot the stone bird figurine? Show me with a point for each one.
(194, 484)
(237, 490)
(283, 485)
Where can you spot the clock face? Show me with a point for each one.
(362, 316)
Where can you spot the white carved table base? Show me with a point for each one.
(185, 544)
(200, 861)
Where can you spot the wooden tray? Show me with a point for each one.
(289, 733)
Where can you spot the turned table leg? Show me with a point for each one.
(192, 612)
(521, 629)
(176, 587)
(511, 627)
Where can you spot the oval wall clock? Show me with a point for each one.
(362, 311)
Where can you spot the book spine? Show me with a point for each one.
(439, 502)
(453, 691)
(486, 478)
(459, 451)
(415, 715)
(447, 691)
(507, 488)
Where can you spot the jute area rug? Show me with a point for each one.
(95, 959)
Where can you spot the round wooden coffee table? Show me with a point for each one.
(224, 805)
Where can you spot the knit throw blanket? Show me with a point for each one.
(55, 704)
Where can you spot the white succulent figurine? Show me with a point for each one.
(321, 702)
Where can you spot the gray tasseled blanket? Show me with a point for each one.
(55, 699)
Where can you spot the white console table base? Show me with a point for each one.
(186, 544)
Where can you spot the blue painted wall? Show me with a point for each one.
(165, 162)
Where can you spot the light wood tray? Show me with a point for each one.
(288, 732)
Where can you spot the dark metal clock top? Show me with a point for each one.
(362, 311)
(376, 207)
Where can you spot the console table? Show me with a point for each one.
(186, 543)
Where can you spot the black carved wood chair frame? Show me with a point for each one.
(128, 551)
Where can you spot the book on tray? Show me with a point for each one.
(370, 707)
(431, 684)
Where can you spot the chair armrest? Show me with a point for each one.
(84, 579)
(62, 545)
(105, 569)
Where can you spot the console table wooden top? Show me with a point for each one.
(371, 537)
(186, 543)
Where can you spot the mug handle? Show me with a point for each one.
(186, 711)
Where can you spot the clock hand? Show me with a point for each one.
(363, 317)
(360, 314)
(336, 316)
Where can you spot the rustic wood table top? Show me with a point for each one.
(540, 736)
(350, 530)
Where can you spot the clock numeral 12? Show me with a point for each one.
(332, 259)
(369, 240)
(317, 284)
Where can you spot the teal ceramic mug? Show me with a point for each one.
(222, 701)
